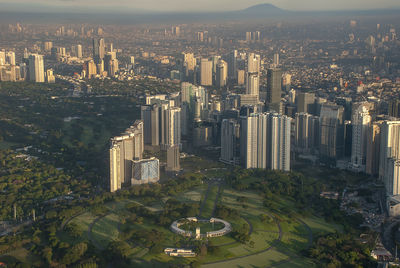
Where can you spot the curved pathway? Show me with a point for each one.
(286, 261)
(65, 223)
(309, 244)
(256, 253)
(90, 234)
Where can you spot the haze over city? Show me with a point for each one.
(192, 6)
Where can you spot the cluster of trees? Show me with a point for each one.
(175, 209)
(225, 212)
(341, 250)
(241, 233)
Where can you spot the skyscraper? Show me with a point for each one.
(36, 68)
(124, 149)
(276, 59)
(394, 108)
(305, 102)
(361, 121)
(373, 148)
(172, 127)
(151, 124)
(10, 57)
(99, 49)
(252, 84)
(253, 63)
(306, 132)
(173, 158)
(206, 72)
(390, 156)
(274, 89)
(331, 133)
(265, 141)
(222, 73)
(229, 140)
(232, 64)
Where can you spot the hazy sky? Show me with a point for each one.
(199, 5)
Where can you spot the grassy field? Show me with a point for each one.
(209, 203)
(105, 230)
(4, 145)
(264, 250)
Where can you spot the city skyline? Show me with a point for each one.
(184, 6)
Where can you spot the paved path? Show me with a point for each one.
(286, 261)
(90, 234)
(256, 253)
(65, 223)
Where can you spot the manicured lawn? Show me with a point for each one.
(105, 230)
(83, 221)
(209, 203)
(4, 145)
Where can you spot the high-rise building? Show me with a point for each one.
(276, 59)
(361, 121)
(240, 77)
(274, 89)
(206, 72)
(221, 73)
(125, 148)
(394, 108)
(171, 135)
(390, 155)
(373, 148)
(10, 57)
(232, 64)
(253, 63)
(151, 124)
(306, 132)
(265, 141)
(145, 171)
(36, 68)
(331, 133)
(99, 49)
(50, 78)
(230, 132)
(189, 61)
(2, 58)
(305, 102)
(252, 84)
(48, 45)
(173, 158)
(77, 51)
(90, 69)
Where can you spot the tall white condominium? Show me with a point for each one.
(125, 148)
(265, 141)
(221, 73)
(189, 61)
(172, 127)
(229, 135)
(10, 57)
(79, 52)
(2, 58)
(206, 68)
(253, 84)
(361, 123)
(36, 68)
(390, 156)
(253, 63)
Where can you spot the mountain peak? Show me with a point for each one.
(262, 8)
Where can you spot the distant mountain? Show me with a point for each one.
(263, 8)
